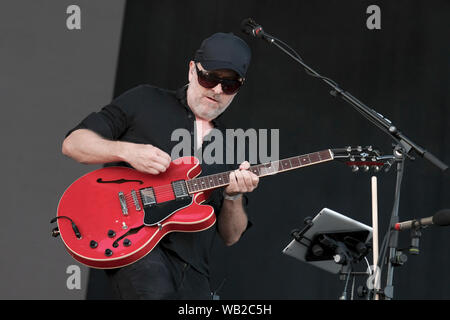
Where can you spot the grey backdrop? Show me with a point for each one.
(49, 76)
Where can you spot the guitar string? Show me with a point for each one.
(130, 200)
(166, 190)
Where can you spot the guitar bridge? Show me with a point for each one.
(135, 200)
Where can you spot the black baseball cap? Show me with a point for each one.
(224, 51)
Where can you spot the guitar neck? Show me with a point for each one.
(261, 170)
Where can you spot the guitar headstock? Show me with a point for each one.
(363, 159)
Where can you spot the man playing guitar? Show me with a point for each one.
(135, 130)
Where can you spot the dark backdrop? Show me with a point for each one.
(402, 71)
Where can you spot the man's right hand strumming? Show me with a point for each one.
(145, 157)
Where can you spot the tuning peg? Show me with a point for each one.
(359, 148)
(369, 148)
(365, 168)
(355, 168)
(388, 166)
(376, 168)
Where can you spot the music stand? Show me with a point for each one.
(330, 241)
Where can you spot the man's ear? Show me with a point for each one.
(191, 70)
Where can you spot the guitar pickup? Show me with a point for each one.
(180, 189)
(148, 197)
(123, 203)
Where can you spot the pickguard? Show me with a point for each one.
(155, 213)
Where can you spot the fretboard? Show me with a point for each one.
(222, 179)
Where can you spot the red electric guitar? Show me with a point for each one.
(113, 216)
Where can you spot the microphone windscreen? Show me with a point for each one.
(442, 217)
(247, 25)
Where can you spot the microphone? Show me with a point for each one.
(250, 27)
(441, 218)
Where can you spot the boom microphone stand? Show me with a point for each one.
(403, 144)
(250, 27)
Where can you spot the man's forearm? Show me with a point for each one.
(88, 147)
(232, 221)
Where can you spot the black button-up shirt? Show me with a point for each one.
(149, 115)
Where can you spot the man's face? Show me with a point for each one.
(205, 103)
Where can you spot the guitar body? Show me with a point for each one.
(121, 214)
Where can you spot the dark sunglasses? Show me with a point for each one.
(207, 80)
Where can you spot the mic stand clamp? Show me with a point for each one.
(298, 234)
(415, 237)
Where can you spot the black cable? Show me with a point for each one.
(316, 75)
(344, 294)
(74, 226)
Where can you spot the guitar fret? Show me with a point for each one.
(286, 164)
(313, 157)
(225, 178)
(203, 182)
(304, 160)
(263, 169)
(295, 162)
(325, 155)
(189, 184)
(276, 165)
(216, 181)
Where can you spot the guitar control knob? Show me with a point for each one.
(111, 233)
(108, 252)
(339, 259)
(93, 244)
(126, 242)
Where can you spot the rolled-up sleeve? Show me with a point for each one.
(115, 118)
